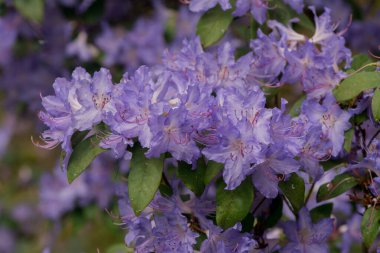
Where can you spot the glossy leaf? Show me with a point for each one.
(359, 61)
(213, 24)
(193, 179)
(340, 184)
(320, 212)
(375, 105)
(348, 135)
(83, 154)
(144, 179)
(353, 85)
(232, 206)
(213, 169)
(370, 225)
(296, 108)
(294, 190)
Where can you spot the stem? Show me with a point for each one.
(257, 207)
(309, 193)
(373, 137)
(288, 204)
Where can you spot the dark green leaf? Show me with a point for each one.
(193, 179)
(284, 13)
(320, 212)
(375, 105)
(32, 10)
(348, 135)
(358, 119)
(360, 60)
(82, 156)
(233, 205)
(370, 225)
(94, 12)
(213, 24)
(247, 223)
(353, 85)
(213, 169)
(294, 190)
(144, 179)
(328, 165)
(77, 137)
(296, 108)
(340, 184)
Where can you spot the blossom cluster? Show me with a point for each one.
(208, 104)
(195, 105)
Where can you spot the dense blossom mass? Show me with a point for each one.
(190, 105)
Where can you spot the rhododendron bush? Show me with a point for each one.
(236, 126)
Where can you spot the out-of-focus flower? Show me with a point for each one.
(304, 236)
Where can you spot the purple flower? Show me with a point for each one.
(80, 48)
(172, 234)
(57, 196)
(288, 133)
(171, 135)
(258, 9)
(250, 107)
(266, 175)
(295, 4)
(237, 150)
(306, 237)
(204, 5)
(333, 120)
(110, 41)
(132, 103)
(317, 148)
(268, 61)
(144, 44)
(228, 72)
(228, 241)
(94, 100)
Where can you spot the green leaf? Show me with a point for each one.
(320, 212)
(375, 105)
(82, 156)
(330, 164)
(119, 248)
(144, 179)
(296, 108)
(213, 169)
(340, 184)
(77, 137)
(213, 24)
(360, 60)
(353, 85)
(370, 225)
(193, 179)
(284, 13)
(294, 190)
(233, 205)
(348, 135)
(32, 10)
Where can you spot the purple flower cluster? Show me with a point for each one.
(201, 103)
(57, 196)
(170, 224)
(206, 104)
